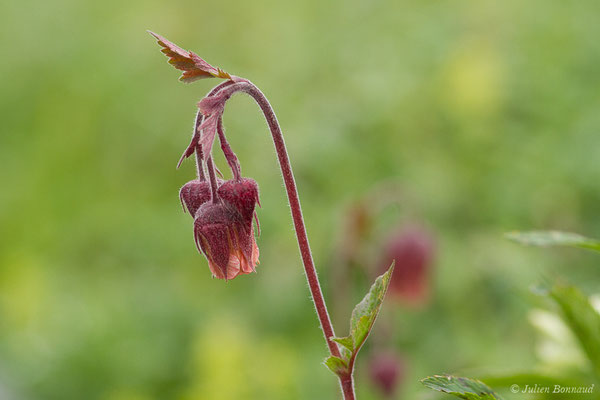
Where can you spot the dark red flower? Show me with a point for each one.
(412, 250)
(386, 371)
(193, 194)
(242, 195)
(226, 241)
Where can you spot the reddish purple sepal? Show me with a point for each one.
(193, 194)
(222, 236)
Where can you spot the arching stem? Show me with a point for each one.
(346, 381)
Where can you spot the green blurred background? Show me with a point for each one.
(486, 112)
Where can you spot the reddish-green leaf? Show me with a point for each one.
(191, 64)
(336, 365)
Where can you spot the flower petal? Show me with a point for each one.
(225, 240)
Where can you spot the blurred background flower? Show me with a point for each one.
(411, 249)
(386, 372)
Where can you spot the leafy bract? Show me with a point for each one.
(191, 64)
(554, 238)
(362, 320)
(336, 365)
(464, 388)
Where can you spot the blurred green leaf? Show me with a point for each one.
(336, 365)
(582, 318)
(347, 342)
(465, 388)
(554, 238)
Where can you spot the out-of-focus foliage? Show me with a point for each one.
(570, 371)
(583, 320)
(484, 113)
(464, 388)
(554, 238)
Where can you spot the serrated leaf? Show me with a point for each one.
(465, 388)
(336, 365)
(365, 313)
(347, 342)
(554, 238)
(582, 318)
(190, 63)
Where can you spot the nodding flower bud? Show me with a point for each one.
(412, 250)
(226, 241)
(242, 195)
(386, 372)
(193, 194)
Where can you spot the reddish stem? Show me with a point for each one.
(213, 180)
(347, 384)
(230, 156)
(292, 192)
(198, 150)
(346, 381)
(199, 168)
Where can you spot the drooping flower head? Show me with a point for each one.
(229, 246)
(193, 194)
(242, 195)
(222, 210)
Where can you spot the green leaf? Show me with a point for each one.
(347, 342)
(465, 388)
(361, 322)
(554, 238)
(365, 313)
(582, 318)
(336, 365)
